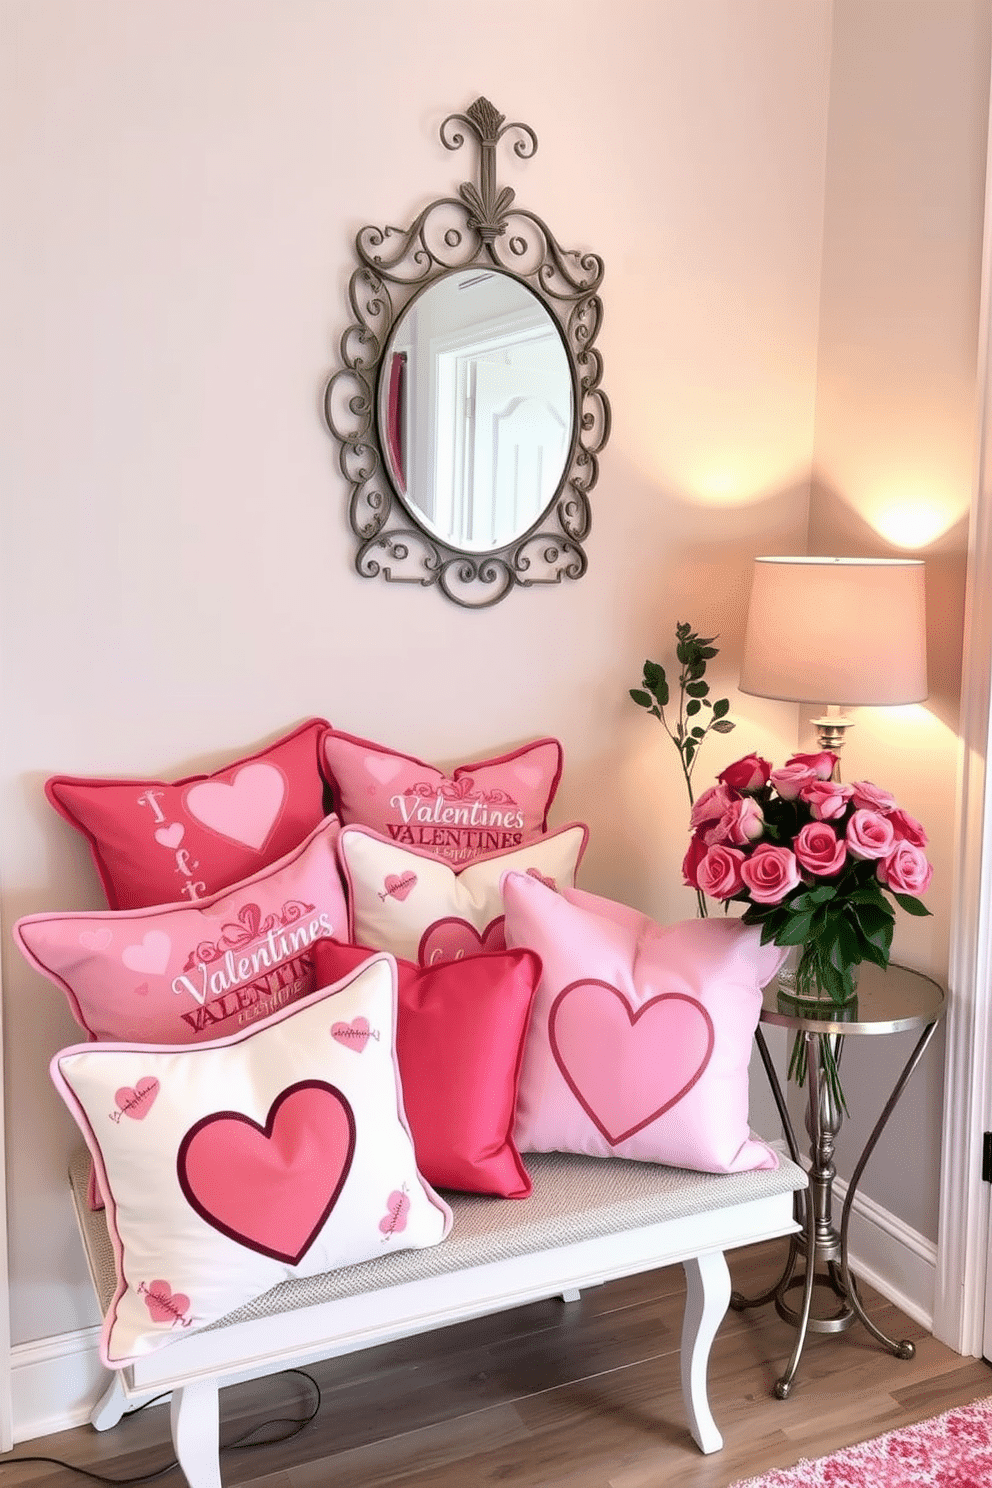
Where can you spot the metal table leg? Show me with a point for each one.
(820, 1242)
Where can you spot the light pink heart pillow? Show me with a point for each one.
(183, 973)
(427, 911)
(491, 806)
(229, 1167)
(641, 1034)
(154, 842)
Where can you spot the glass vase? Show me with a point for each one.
(791, 977)
(816, 1002)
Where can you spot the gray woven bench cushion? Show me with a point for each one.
(574, 1198)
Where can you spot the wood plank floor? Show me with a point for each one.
(555, 1395)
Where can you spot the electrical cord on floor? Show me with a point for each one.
(242, 1443)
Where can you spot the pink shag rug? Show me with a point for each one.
(951, 1451)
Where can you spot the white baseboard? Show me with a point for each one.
(896, 1260)
(56, 1382)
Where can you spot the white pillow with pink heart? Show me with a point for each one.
(229, 1167)
(641, 1034)
(427, 911)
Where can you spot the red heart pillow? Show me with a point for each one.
(158, 843)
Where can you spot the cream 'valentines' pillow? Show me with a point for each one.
(186, 972)
(156, 841)
(641, 1034)
(232, 1166)
(490, 806)
(427, 911)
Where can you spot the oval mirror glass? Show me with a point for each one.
(476, 408)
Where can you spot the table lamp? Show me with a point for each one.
(849, 632)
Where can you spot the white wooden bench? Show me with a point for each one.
(587, 1221)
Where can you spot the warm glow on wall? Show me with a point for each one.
(910, 521)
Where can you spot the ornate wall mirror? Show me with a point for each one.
(468, 405)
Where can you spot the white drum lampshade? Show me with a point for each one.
(841, 631)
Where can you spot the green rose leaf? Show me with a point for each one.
(910, 904)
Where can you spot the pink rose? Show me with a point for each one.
(908, 829)
(821, 764)
(870, 835)
(906, 869)
(690, 863)
(770, 873)
(870, 797)
(747, 774)
(825, 799)
(819, 850)
(790, 780)
(710, 806)
(719, 873)
(742, 822)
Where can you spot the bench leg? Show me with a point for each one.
(110, 1407)
(196, 1433)
(707, 1296)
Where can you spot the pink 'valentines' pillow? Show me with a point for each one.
(183, 973)
(491, 806)
(459, 1044)
(427, 911)
(155, 842)
(641, 1034)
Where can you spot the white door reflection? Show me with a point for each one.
(477, 409)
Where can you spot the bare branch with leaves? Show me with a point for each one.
(687, 730)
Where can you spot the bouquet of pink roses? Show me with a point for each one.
(813, 860)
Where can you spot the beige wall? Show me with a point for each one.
(894, 448)
(183, 182)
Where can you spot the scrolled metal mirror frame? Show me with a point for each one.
(482, 225)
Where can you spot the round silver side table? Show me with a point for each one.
(891, 1001)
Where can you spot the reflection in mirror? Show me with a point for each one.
(468, 405)
(477, 409)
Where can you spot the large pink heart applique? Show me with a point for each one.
(452, 939)
(246, 808)
(271, 1188)
(627, 1068)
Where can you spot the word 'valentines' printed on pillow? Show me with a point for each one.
(491, 806)
(184, 973)
(429, 911)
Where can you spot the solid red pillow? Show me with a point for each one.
(460, 1033)
(155, 842)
